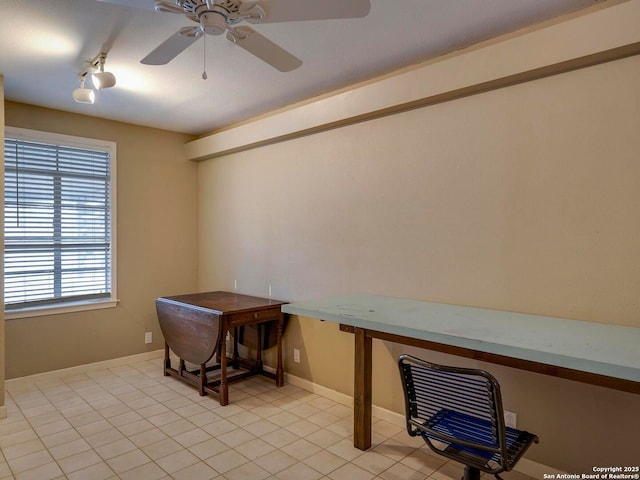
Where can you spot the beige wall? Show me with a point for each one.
(521, 199)
(156, 247)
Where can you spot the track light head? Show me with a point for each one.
(84, 95)
(103, 80)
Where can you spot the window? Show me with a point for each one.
(58, 223)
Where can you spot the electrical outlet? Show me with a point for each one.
(510, 419)
(148, 337)
(296, 355)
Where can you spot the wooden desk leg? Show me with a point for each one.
(279, 367)
(362, 391)
(167, 360)
(224, 386)
(259, 349)
(203, 379)
(236, 365)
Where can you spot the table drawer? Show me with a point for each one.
(256, 316)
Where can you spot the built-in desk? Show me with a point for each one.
(599, 354)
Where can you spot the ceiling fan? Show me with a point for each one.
(215, 17)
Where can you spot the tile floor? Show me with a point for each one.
(131, 422)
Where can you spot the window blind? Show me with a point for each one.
(57, 224)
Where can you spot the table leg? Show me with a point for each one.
(279, 367)
(203, 379)
(235, 348)
(259, 349)
(167, 360)
(362, 390)
(224, 386)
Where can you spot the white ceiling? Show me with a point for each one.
(43, 44)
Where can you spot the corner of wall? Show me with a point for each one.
(3, 409)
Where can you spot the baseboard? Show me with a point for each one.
(89, 367)
(524, 466)
(535, 469)
(319, 389)
(3, 412)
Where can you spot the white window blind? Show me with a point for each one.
(57, 224)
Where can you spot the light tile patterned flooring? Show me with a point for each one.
(131, 422)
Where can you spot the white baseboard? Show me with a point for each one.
(89, 367)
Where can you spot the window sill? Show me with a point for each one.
(69, 307)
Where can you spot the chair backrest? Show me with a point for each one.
(458, 412)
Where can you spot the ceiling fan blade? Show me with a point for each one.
(298, 10)
(143, 4)
(169, 49)
(264, 49)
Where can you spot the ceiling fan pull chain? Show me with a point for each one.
(204, 58)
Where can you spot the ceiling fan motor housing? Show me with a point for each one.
(213, 23)
(215, 16)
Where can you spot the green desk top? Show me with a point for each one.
(603, 349)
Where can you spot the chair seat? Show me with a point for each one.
(467, 428)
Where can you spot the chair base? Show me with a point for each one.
(471, 473)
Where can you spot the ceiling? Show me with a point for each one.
(43, 44)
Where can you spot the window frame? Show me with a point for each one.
(59, 307)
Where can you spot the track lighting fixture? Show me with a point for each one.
(102, 79)
(84, 95)
(99, 78)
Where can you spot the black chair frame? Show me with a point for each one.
(459, 414)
